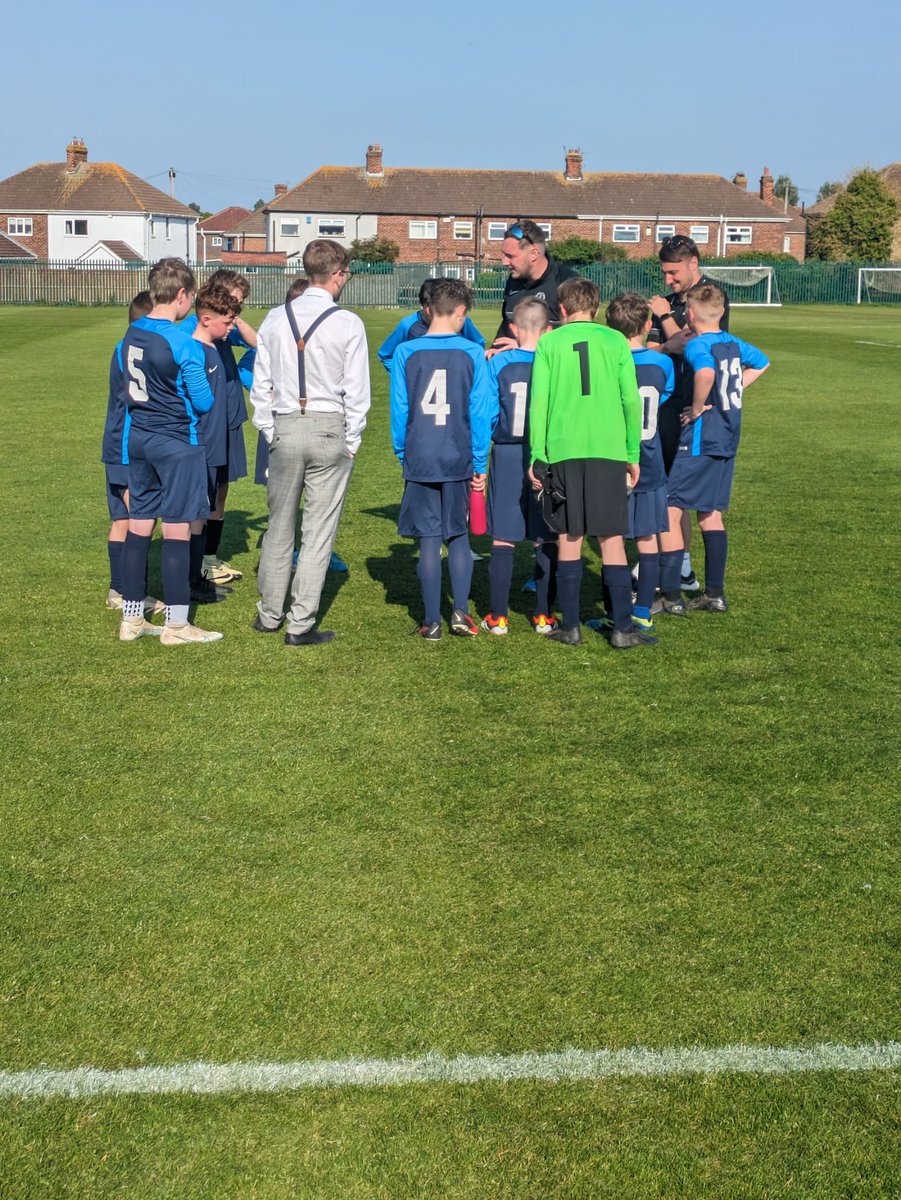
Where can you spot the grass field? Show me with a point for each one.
(384, 848)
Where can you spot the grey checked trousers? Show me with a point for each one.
(308, 459)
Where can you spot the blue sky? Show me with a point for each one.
(809, 91)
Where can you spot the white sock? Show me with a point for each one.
(176, 614)
(132, 608)
(686, 563)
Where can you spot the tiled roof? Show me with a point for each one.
(224, 221)
(10, 248)
(540, 194)
(253, 224)
(91, 187)
(122, 250)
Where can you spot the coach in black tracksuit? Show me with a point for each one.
(534, 275)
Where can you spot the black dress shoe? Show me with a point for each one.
(568, 637)
(259, 627)
(312, 637)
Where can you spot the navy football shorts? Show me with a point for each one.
(648, 512)
(434, 509)
(237, 454)
(700, 482)
(116, 487)
(514, 513)
(167, 478)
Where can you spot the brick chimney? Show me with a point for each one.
(281, 189)
(374, 160)
(766, 187)
(573, 172)
(76, 154)
(741, 180)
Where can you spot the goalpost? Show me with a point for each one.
(879, 285)
(747, 286)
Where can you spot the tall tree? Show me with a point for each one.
(784, 184)
(829, 188)
(259, 204)
(858, 227)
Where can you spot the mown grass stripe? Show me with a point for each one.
(211, 1079)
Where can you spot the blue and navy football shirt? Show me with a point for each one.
(510, 374)
(441, 408)
(415, 326)
(656, 379)
(114, 449)
(214, 424)
(237, 405)
(164, 379)
(717, 432)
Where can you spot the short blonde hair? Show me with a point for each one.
(531, 315)
(167, 278)
(707, 300)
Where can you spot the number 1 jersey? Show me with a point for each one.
(441, 408)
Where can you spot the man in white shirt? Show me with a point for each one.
(312, 413)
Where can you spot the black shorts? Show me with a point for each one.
(596, 501)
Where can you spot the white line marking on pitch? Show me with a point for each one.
(890, 345)
(201, 1078)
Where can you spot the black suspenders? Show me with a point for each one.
(301, 345)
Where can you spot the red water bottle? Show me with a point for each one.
(478, 516)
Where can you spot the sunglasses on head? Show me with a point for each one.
(517, 231)
(677, 241)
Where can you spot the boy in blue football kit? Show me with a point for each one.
(417, 325)
(630, 314)
(114, 456)
(441, 416)
(166, 390)
(513, 510)
(720, 367)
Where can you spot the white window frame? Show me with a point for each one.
(494, 227)
(19, 226)
(546, 227)
(331, 227)
(423, 231)
(662, 232)
(739, 235)
(700, 234)
(469, 274)
(71, 227)
(450, 272)
(216, 241)
(290, 228)
(622, 232)
(168, 231)
(463, 231)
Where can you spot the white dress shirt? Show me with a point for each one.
(336, 364)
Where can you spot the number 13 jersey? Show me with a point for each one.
(717, 432)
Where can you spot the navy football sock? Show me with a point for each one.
(606, 598)
(671, 574)
(459, 563)
(715, 548)
(176, 564)
(619, 582)
(429, 571)
(648, 578)
(545, 577)
(135, 550)
(569, 587)
(196, 557)
(500, 576)
(114, 550)
(213, 537)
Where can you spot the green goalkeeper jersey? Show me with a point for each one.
(584, 400)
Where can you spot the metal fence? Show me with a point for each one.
(386, 285)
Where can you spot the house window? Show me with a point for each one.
(663, 232)
(19, 226)
(77, 228)
(546, 226)
(738, 235)
(786, 245)
(290, 228)
(700, 234)
(420, 230)
(168, 231)
(496, 231)
(627, 233)
(462, 231)
(331, 226)
(450, 272)
(469, 274)
(217, 241)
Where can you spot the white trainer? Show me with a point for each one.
(133, 628)
(152, 606)
(184, 634)
(217, 571)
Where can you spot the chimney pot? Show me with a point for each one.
(766, 187)
(281, 189)
(740, 180)
(374, 160)
(573, 171)
(76, 154)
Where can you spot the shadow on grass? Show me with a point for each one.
(242, 530)
(397, 575)
(390, 512)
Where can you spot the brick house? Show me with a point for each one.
(448, 214)
(93, 212)
(235, 232)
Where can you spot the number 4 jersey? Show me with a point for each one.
(442, 408)
(164, 379)
(717, 432)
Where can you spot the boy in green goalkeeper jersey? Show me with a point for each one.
(585, 437)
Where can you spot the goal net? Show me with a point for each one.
(747, 286)
(879, 285)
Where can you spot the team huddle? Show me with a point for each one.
(559, 424)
